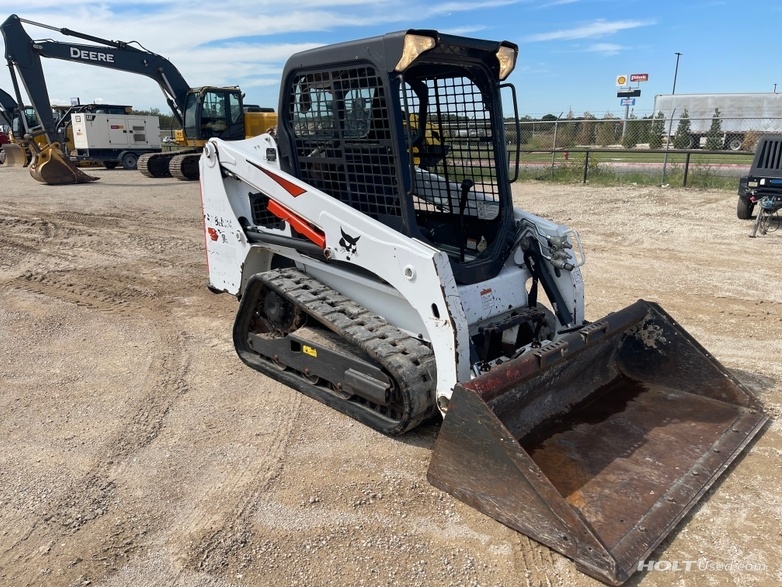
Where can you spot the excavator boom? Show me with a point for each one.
(202, 112)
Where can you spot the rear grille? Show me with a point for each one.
(768, 158)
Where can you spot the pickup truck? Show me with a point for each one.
(764, 178)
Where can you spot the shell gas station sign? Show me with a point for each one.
(624, 80)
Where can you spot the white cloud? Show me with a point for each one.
(597, 28)
(558, 3)
(605, 48)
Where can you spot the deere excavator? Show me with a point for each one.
(202, 112)
(382, 269)
(15, 151)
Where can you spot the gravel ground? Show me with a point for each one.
(139, 451)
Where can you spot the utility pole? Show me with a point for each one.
(676, 73)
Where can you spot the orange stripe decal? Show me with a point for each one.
(288, 186)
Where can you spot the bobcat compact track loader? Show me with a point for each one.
(382, 269)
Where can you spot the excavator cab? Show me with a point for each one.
(213, 112)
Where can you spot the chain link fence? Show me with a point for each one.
(655, 149)
(651, 132)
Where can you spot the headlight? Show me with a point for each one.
(507, 58)
(414, 46)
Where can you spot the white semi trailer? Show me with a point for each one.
(743, 118)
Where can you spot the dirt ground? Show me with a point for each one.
(137, 449)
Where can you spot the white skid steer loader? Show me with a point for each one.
(382, 269)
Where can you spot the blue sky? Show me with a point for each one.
(571, 51)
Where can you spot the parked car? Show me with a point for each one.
(764, 178)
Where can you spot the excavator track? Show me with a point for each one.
(335, 350)
(184, 166)
(156, 164)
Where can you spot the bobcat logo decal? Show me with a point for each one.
(348, 243)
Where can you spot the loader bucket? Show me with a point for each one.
(51, 166)
(15, 156)
(599, 444)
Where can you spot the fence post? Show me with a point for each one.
(554, 146)
(686, 168)
(586, 165)
(667, 146)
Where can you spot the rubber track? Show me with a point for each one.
(184, 166)
(408, 360)
(143, 162)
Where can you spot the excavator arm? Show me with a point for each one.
(23, 55)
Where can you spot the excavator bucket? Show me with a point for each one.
(599, 444)
(15, 156)
(51, 166)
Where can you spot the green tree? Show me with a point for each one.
(525, 129)
(167, 121)
(632, 134)
(609, 131)
(586, 130)
(550, 119)
(656, 131)
(681, 140)
(568, 128)
(714, 136)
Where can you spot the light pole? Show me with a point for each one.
(676, 73)
(670, 123)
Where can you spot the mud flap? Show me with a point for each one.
(599, 444)
(51, 166)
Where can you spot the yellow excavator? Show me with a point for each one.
(382, 269)
(202, 112)
(16, 152)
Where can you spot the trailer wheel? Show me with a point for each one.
(129, 161)
(734, 142)
(110, 164)
(744, 208)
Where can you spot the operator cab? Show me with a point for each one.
(214, 112)
(419, 148)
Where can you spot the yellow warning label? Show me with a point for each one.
(308, 350)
